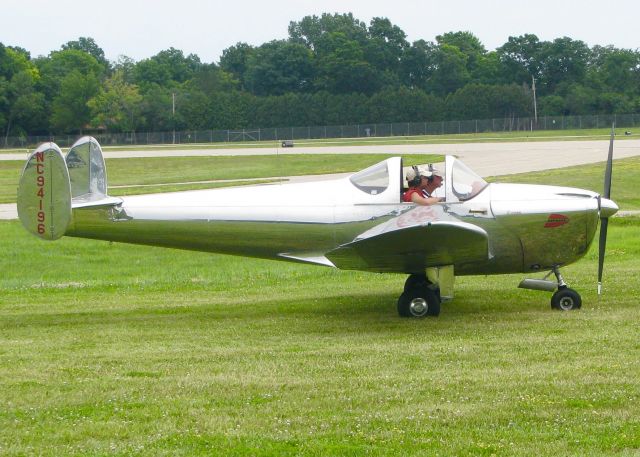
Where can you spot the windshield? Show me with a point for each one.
(466, 184)
(373, 180)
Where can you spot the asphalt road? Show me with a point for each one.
(486, 159)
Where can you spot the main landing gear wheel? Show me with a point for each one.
(419, 301)
(420, 280)
(566, 299)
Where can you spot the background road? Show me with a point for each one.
(486, 159)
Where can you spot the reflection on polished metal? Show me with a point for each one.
(357, 223)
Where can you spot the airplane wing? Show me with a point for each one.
(411, 243)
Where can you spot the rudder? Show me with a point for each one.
(87, 171)
(44, 193)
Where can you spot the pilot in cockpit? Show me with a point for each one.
(422, 185)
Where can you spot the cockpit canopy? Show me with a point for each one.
(465, 183)
(373, 180)
(386, 177)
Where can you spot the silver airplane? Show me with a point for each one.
(353, 223)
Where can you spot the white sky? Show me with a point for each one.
(140, 29)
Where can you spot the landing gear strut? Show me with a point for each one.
(420, 298)
(565, 299)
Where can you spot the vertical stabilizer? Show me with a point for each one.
(44, 193)
(87, 170)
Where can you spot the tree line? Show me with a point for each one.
(332, 69)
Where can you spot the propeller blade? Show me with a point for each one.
(609, 169)
(604, 224)
(604, 221)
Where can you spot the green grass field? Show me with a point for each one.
(111, 349)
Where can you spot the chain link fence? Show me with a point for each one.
(340, 131)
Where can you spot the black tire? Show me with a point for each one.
(419, 301)
(420, 280)
(415, 280)
(566, 299)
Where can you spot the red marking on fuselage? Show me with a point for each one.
(556, 220)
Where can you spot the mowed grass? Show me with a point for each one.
(129, 350)
(111, 349)
(167, 174)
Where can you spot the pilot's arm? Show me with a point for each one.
(426, 201)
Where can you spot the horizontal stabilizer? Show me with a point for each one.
(44, 193)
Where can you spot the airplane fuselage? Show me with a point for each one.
(529, 227)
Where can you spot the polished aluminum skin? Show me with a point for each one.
(357, 223)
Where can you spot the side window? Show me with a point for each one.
(466, 184)
(373, 180)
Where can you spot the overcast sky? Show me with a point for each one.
(140, 29)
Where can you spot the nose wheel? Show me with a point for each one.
(565, 299)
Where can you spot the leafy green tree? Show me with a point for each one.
(69, 110)
(579, 99)
(404, 105)
(13, 60)
(26, 108)
(311, 29)
(126, 67)
(157, 109)
(341, 66)
(551, 105)
(89, 46)
(521, 58)
(488, 69)
(615, 103)
(4, 102)
(614, 70)
(467, 43)
(60, 64)
(234, 61)
(117, 106)
(563, 61)
(485, 101)
(211, 78)
(278, 67)
(450, 73)
(386, 45)
(166, 68)
(21, 105)
(418, 64)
